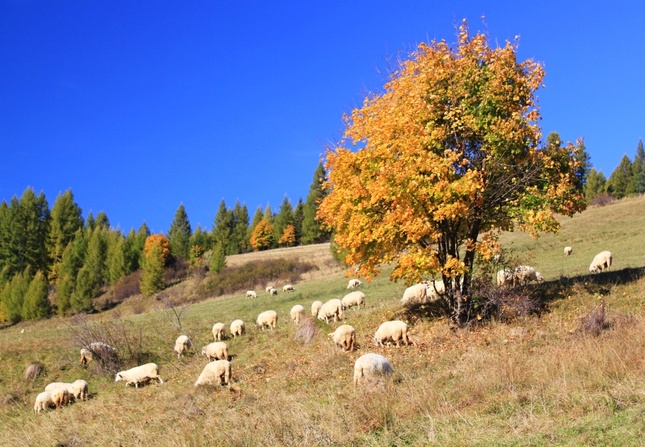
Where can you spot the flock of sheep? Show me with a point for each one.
(370, 367)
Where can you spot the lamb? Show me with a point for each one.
(345, 337)
(568, 250)
(217, 371)
(139, 374)
(416, 294)
(237, 328)
(353, 283)
(251, 294)
(288, 288)
(99, 350)
(332, 308)
(372, 368)
(48, 399)
(602, 261)
(394, 331)
(182, 345)
(268, 318)
(297, 313)
(273, 292)
(354, 299)
(215, 351)
(524, 274)
(504, 277)
(219, 331)
(315, 308)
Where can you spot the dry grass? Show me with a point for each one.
(538, 380)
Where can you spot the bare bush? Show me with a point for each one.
(170, 307)
(595, 322)
(307, 330)
(32, 371)
(602, 199)
(504, 304)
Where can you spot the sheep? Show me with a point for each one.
(44, 401)
(251, 294)
(273, 291)
(139, 374)
(354, 299)
(217, 371)
(344, 336)
(504, 277)
(602, 261)
(97, 349)
(182, 345)
(297, 313)
(268, 288)
(415, 294)
(288, 288)
(332, 308)
(268, 318)
(237, 328)
(315, 308)
(395, 331)
(79, 389)
(524, 274)
(568, 250)
(63, 398)
(215, 351)
(371, 368)
(353, 283)
(219, 331)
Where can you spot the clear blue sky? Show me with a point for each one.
(139, 106)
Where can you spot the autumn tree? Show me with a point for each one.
(262, 237)
(450, 151)
(156, 253)
(288, 238)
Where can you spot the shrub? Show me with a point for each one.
(602, 199)
(502, 303)
(594, 323)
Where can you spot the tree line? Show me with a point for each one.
(54, 260)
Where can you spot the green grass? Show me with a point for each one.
(543, 385)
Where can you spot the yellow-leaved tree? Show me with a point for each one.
(432, 169)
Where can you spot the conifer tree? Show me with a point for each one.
(95, 260)
(81, 299)
(13, 296)
(90, 221)
(71, 263)
(137, 242)
(223, 228)
(637, 183)
(312, 231)
(199, 244)
(117, 257)
(179, 234)
(257, 217)
(240, 234)
(36, 304)
(66, 219)
(595, 185)
(218, 259)
(283, 219)
(620, 178)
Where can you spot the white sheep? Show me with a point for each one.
(297, 313)
(215, 351)
(251, 294)
(268, 288)
(344, 336)
(353, 283)
(354, 299)
(237, 328)
(602, 261)
(182, 345)
(504, 277)
(217, 372)
(372, 368)
(288, 288)
(416, 294)
(79, 389)
(524, 274)
(97, 349)
(332, 308)
(219, 331)
(273, 292)
(139, 374)
(61, 398)
(568, 250)
(395, 331)
(44, 401)
(268, 318)
(315, 308)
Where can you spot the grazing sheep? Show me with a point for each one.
(139, 374)
(215, 351)
(568, 250)
(332, 308)
(268, 288)
(44, 401)
(524, 274)
(416, 294)
(237, 328)
(288, 288)
(182, 345)
(79, 389)
(315, 308)
(99, 350)
(504, 277)
(61, 398)
(345, 337)
(353, 283)
(602, 261)
(219, 331)
(217, 372)
(354, 299)
(371, 368)
(395, 331)
(251, 294)
(268, 318)
(297, 313)
(273, 292)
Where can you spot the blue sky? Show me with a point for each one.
(140, 106)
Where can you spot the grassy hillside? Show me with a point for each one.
(535, 380)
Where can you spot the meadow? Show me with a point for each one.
(534, 380)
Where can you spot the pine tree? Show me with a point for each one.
(283, 219)
(298, 218)
(223, 229)
(71, 263)
(199, 244)
(137, 241)
(6, 252)
(81, 300)
(179, 234)
(620, 178)
(240, 235)
(637, 184)
(595, 185)
(90, 222)
(95, 260)
(257, 217)
(312, 231)
(218, 259)
(66, 219)
(14, 295)
(117, 257)
(36, 304)
(152, 277)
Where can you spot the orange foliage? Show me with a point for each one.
(288, 237)
(160, 241)
(262, 235)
